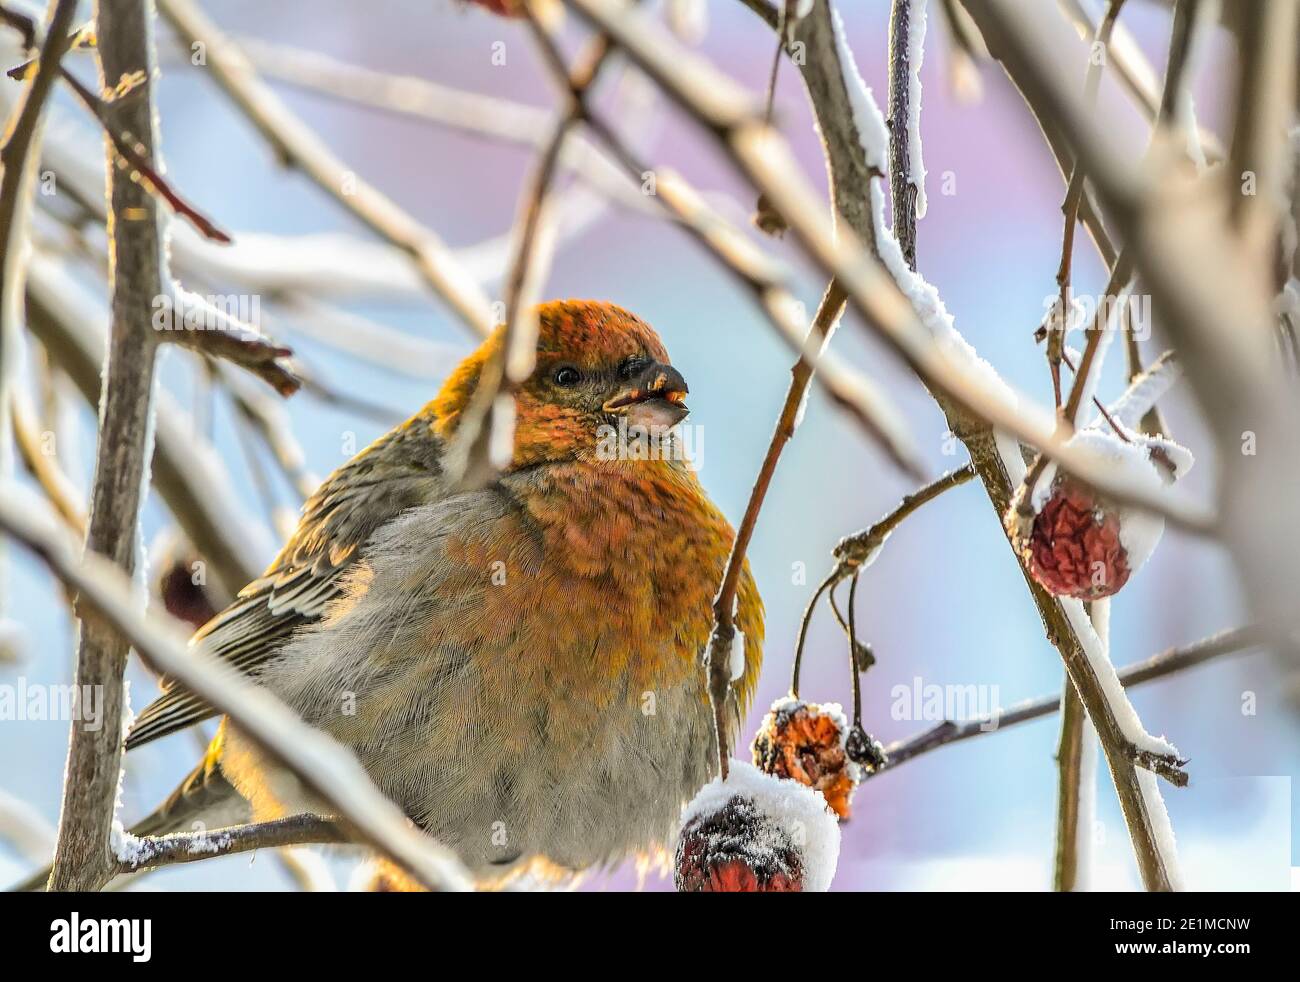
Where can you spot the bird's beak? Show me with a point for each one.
(654, 400)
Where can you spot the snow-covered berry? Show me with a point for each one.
(755, 833)
(1076, 543)
(806, 742)
(1074, 548)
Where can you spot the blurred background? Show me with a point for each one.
(945, 604)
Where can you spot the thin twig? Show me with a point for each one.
(1119, 277)
(1168, 662)
(267, 416)
(720, 639)
(860, 548)
(804, 622)
(58, 489)
(855, 552)
(1097, 59)
(155, 851)
(855, 674)
(134, 155)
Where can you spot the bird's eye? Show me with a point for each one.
(630, 367)
(567, 376)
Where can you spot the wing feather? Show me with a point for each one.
(398, 471)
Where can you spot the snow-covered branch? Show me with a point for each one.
(186, 470)
(137, 853)
(198, 323)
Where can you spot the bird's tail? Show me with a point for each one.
(204, 799)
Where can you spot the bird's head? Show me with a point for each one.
(599, 369)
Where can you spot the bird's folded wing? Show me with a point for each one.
(244, 635)
(397, 472)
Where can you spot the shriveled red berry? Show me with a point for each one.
(1074, 547)
(804, 742)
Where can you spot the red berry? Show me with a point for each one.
(1073, 548)
(737, 849)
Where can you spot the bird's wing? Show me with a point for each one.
(397, 472)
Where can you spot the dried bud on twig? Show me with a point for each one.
(767, 219)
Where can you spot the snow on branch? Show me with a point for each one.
(205, 327)
(135, 853)
(186, 469)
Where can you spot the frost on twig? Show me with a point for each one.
(872, 132)
(195, 322)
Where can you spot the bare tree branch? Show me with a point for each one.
(462, 110)
(1258, 161)
(191, 321)
(58, 489)
(903, 192)
(155, 851)
(19, 157)
(1075, 730)
(136, 264)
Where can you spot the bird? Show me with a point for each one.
(517, 665)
